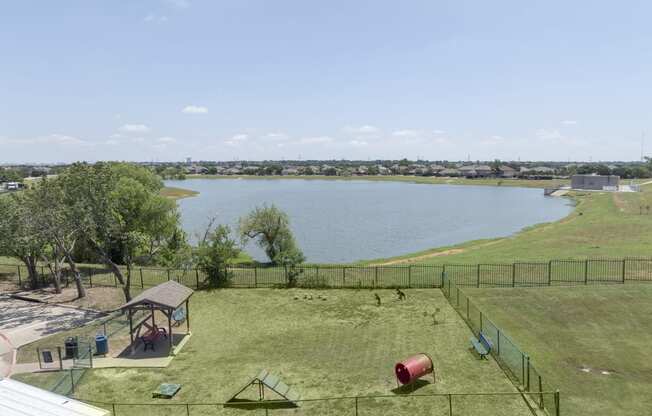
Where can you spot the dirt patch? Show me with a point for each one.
(620, 204)
(97, 298)
(422, 257)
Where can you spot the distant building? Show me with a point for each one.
(507, 171)
(595, 182)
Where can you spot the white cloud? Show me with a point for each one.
(236, 139)
(166, 139)
(57, 139)
(315, 140)
(276, 137)
(549, 135)
(569, 122)
(194, 109)
(405, 133)
(358, 143)
(135, 128)
(181, 4)
(366, 129)
(154, 18)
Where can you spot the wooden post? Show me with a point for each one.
(513, 274)
(255, 276)
(550, 273)
(376, 277)
(142, 285)
(60, 358)
(20, 283)
(169, 314)
(343, 276)
(410, 276)
(131, 330)
(450, 404)
(197, 278)
(90, 276)
(480, 321)
(540, 394)
(168, 272)
(557, 413)
(188, 315)
(38, 355)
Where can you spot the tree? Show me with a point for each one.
(270, 228)
(18, 235)
(214, 252)
(120, 213)
(57, 226)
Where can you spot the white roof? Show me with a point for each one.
(20, 399)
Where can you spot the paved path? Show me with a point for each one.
(23, 322)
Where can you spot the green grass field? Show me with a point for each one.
(592, 342)
(342, 346)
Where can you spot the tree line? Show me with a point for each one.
(113, 213)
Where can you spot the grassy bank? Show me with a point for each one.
(592, 342)
(177, 193)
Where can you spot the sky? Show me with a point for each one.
(162, 80)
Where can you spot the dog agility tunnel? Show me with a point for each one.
(410, 369)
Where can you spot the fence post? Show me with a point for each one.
(480, 320)
(90, 276)
(197, 278)
(443, 277)
(498, 346)
(540, 394)
(142, 285)
(60, 358)
(20, 283)
(376, 276)
(467, 310)
(113, 407)
(523, 369)
(527, 387)
(450, 405)
(356, 405)
(624, 263)
(586, 271)
(478, 274)
(343, 276)
(513, 274)
(187, 409)
(72, 382)
(168, 272)
(256, 276)
(38, 355)
(410, 276)
(550, 273)
(557, 403)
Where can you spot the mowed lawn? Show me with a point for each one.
(342, 346)
(592, 342)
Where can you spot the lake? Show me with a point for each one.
(350, 220)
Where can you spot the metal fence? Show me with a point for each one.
(518, 274)
(512, 359)
(451, 404)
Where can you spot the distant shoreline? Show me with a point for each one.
(173, 192)
(522, 183)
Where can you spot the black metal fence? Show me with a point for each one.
(450, 404)
(512, 359)
(518, 274)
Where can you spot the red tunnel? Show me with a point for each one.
(407, 371)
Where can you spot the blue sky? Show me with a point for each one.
(245, 79)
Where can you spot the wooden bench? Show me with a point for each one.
(150, 337)
(482, 345)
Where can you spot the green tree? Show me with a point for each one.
(270, 228)
(214, 252)
(19, 237)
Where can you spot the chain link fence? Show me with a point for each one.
(510, 357)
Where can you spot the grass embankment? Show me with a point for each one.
(342, 346)
(592, 342)
(523, 183)
(177, 193)
(602, 225)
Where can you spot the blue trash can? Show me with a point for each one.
(101, 344)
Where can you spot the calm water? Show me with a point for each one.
(345, 221)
